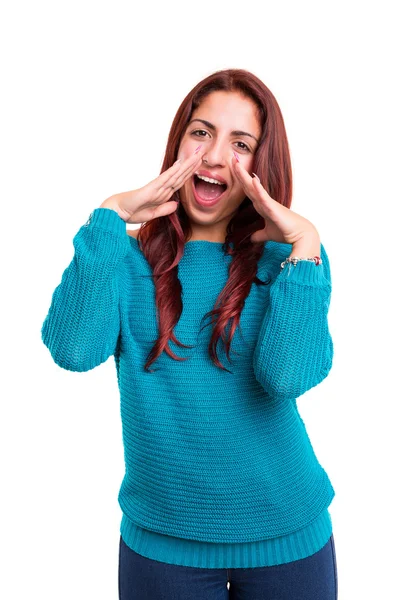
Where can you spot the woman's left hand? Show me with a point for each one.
(281, 224)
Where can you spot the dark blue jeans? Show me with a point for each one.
(311, 578)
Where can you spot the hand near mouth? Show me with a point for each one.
(282, 224)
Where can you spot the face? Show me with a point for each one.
(231, 125)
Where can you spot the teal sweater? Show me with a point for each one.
(219, 469)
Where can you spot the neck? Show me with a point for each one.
(207, 236)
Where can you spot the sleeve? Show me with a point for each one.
(294, 349)
(82, 326)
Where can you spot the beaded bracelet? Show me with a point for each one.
(317, 260)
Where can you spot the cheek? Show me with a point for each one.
(187, 148)
(248, 164)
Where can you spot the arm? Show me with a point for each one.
(82, 326)
(294, 350)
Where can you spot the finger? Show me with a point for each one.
(178, 169)
(254, 188)
(162, 210)
(176, 181)
(242, 176)
(236, 170)
(173, 184)
(251, 192)
(155, 184)
(250, 181)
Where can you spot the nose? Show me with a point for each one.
(217, 153)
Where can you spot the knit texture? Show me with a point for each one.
(214, 555)
(210, 456)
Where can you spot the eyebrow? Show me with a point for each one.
(213, 128)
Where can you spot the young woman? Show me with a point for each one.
(223, 495)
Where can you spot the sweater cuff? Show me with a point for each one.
(305, 272)
(108, 219)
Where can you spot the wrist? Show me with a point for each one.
(307, 248)
(112, 204)
(109, 203)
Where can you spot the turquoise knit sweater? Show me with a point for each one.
(219, 469)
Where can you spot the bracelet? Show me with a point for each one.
(317, 260)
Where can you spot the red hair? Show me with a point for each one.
(162, 239)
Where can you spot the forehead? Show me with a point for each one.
(229, 110)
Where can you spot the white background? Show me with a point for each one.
(89, 91)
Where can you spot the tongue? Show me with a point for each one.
(208, 191)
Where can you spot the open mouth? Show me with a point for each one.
(207, 193)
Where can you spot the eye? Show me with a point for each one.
(196, 131)
(245, 146)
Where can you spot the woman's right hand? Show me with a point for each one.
(151, 200)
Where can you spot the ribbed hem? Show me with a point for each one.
(306, 272)
(107, 219)
(208, 555)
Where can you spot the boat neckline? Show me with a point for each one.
(189, 241)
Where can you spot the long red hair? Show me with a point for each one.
(162, 239)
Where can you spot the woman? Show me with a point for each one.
(223, 495)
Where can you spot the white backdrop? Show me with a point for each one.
(89, 94)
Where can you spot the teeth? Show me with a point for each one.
(210, 180)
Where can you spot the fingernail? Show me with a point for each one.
(236, 156)
(257, 177)
(197, 149)
(178, 161)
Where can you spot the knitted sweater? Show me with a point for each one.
(219, 469)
